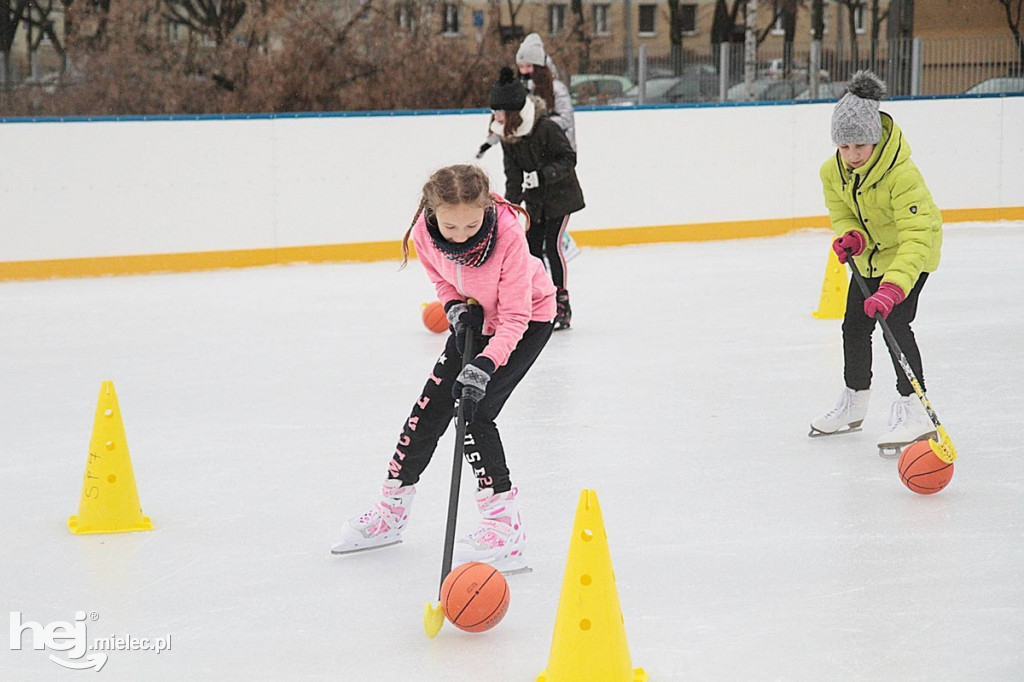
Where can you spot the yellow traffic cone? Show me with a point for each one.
(110, 500)
(832, 305)
(589, 644)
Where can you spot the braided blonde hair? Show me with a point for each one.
(458, 184)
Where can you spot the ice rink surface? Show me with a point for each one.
(261, 407)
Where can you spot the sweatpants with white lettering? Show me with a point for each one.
(435, 408)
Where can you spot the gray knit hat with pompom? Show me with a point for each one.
(855, 119)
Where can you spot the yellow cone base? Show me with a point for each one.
(589, 642)
(832, 305)
(110, 498)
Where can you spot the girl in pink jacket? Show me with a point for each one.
(472, 246)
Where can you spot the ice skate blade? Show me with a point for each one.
(522, 570)
(508, 565)
(815, 433)
(893, 450)
(357, 550)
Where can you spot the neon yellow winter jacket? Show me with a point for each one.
(887, 201)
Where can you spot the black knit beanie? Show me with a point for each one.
(508, 94)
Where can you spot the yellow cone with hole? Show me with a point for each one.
(110, 500)
(832, 305)
(589, 643)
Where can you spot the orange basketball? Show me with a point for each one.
(434, 317)
(922, 471)
(474, 596)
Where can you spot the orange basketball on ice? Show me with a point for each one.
(434, 317)
(922, 471)
(474, 596)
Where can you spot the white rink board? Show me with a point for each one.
(136, 187)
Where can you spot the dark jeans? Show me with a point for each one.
(434, 410)
(857, 330)
(545, 239)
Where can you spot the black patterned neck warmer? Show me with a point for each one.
(475, 250)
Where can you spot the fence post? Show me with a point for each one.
(917, 50)
(628, 46)
(641, 70)
(723, 71)
(814, 67)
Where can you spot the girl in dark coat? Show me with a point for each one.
(540, 170)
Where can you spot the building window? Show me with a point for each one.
(405, 17)
(556, 19)
(688, 18)
(450, 19)
(859, 24)
(647, 16)
(602, 21)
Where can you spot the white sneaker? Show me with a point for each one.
(499, 540)
(908, 422)
(380, 525)
(847, 415)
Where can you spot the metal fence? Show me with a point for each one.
(911, 67)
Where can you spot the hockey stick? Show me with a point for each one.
(433, 614)
(943, 449)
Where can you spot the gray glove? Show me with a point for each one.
(464, 318)
(471, 385)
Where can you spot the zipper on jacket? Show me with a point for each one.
(458, 278)
(860, 218)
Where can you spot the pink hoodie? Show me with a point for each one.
(512, 286)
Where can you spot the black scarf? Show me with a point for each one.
(475, 250)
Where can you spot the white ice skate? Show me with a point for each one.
(908, 422)
(845, 417)
(499, 540)
(382, 524)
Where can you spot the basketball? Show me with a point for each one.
(922, 471)
(474, 597)
(434, 317)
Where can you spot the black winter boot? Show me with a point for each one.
(563, 316)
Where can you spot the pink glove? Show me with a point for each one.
(884, 300)
(852, 240)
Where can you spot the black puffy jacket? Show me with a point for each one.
(546, 150)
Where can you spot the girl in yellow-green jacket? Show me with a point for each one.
(887, 224)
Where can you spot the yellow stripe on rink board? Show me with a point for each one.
(201, 260)
(966, 215)
(695, 231)
(392, 250)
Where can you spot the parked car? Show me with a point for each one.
(597, 88)
(829, 91)
(767, 89)
(996, 85)
(695, 87)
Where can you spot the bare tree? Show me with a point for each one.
(818, 19)
(581, 36)
(512, 31)
(1013, 10)
(215, 19)
(12, 14)
(851, 7)
(877, 17)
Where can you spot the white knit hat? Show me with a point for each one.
(531, 51)
(855, 120)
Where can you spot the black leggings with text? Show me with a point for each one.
(434, 410)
